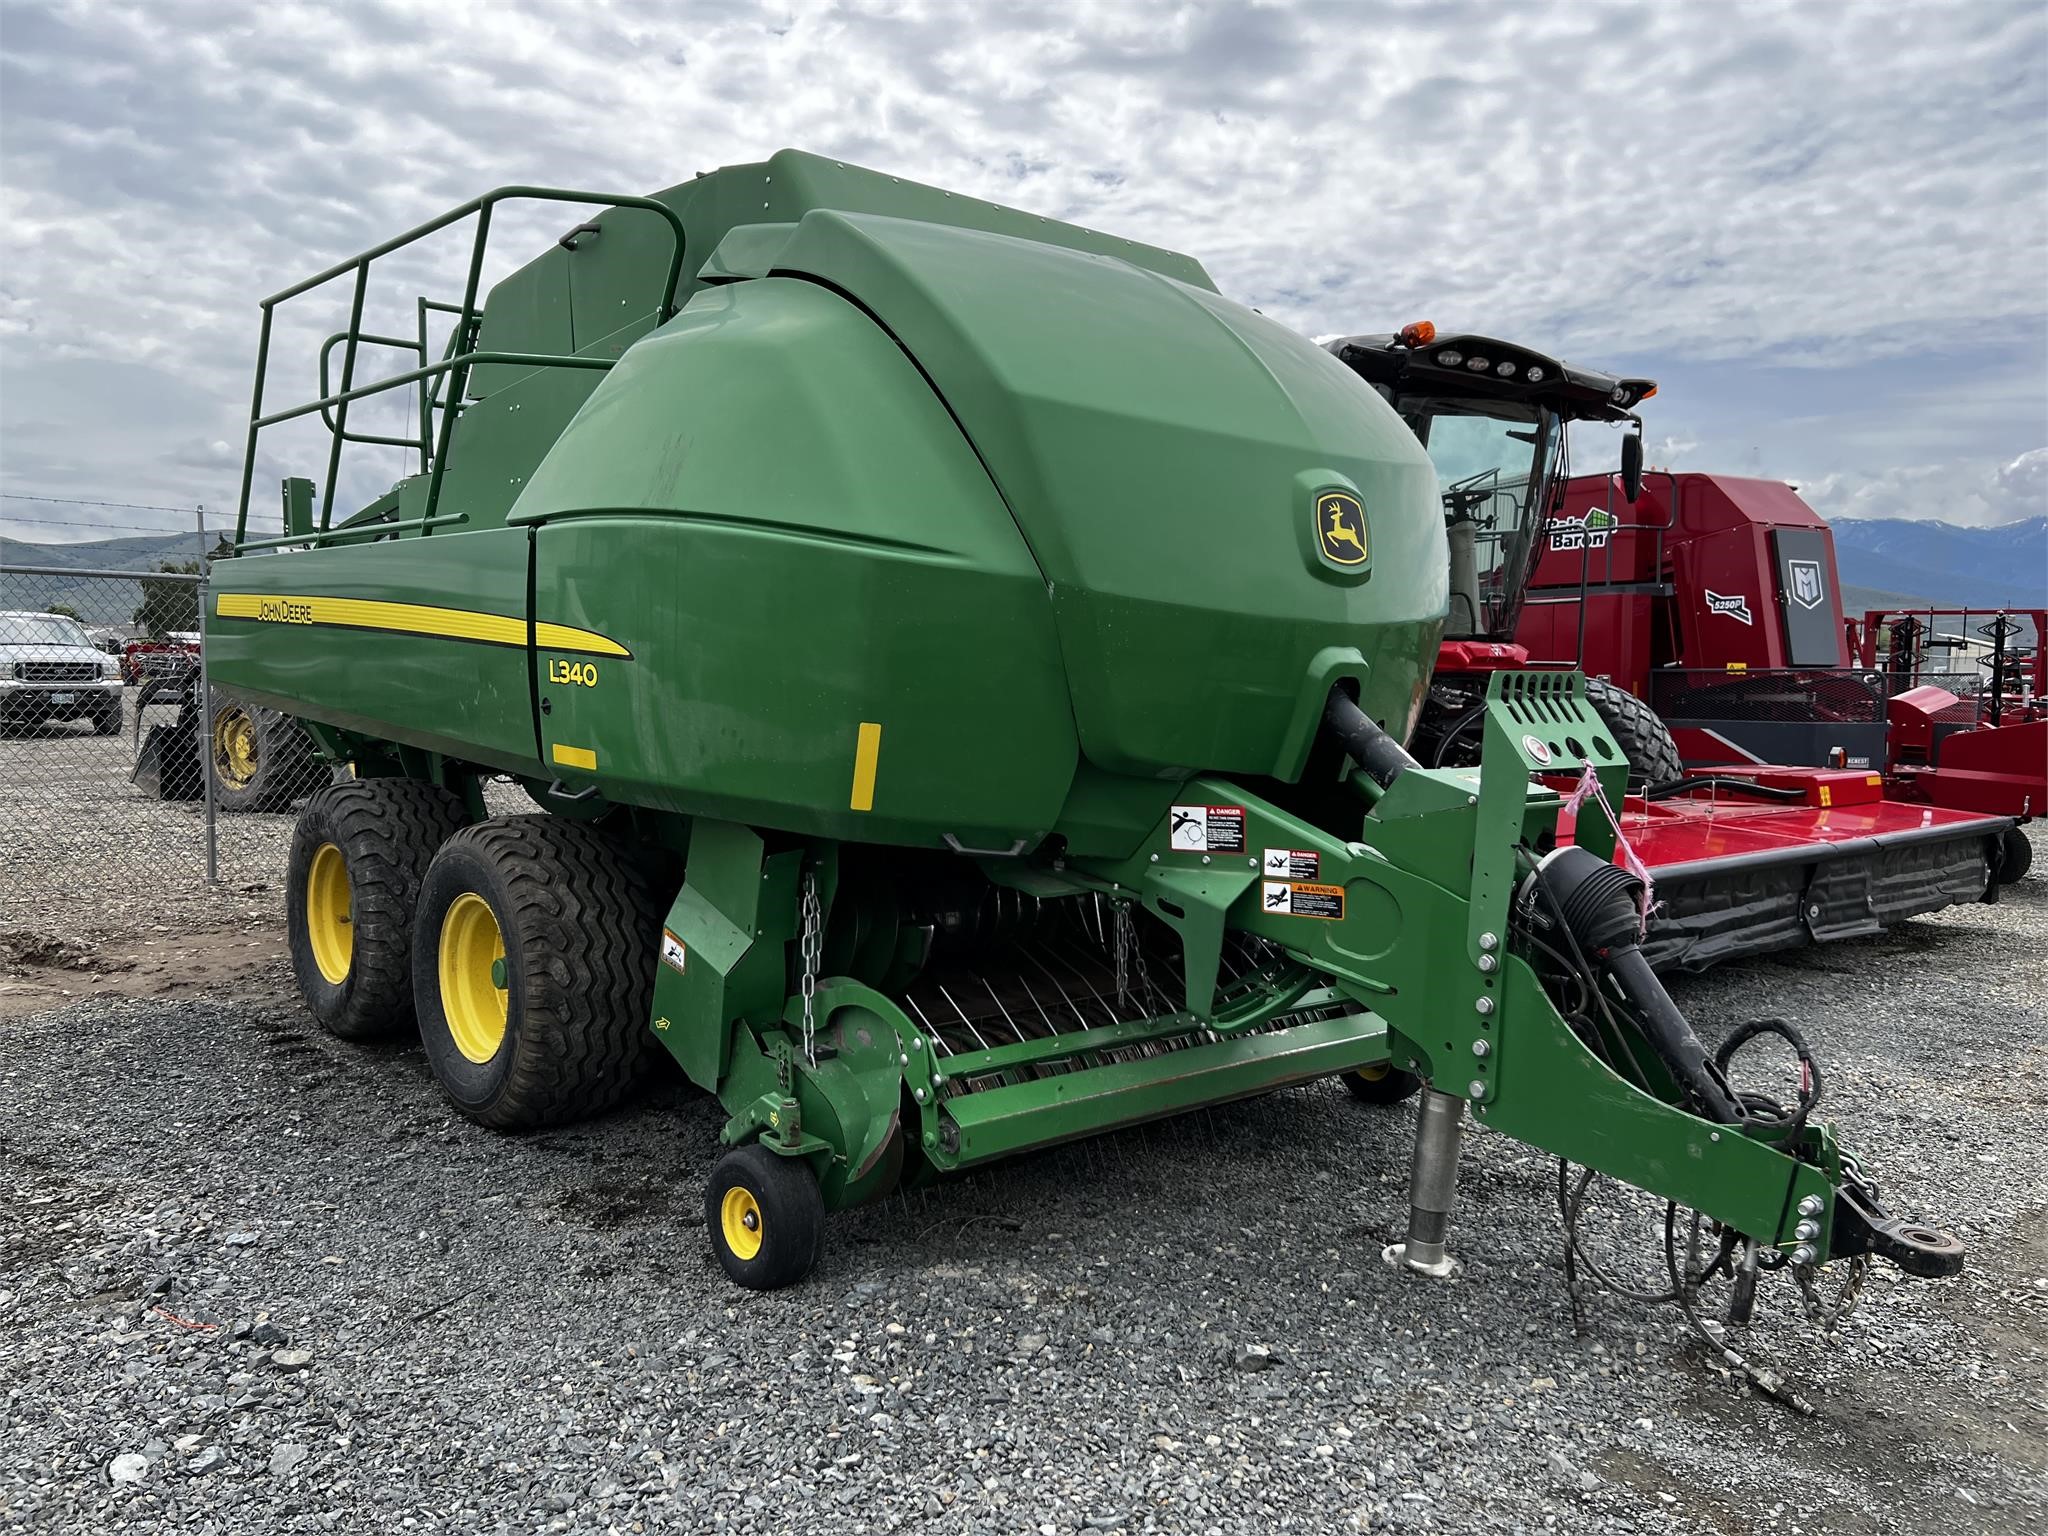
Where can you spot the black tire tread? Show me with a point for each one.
(792, 1210)
(1394, 1086)
(1638, 733)
(588, 918)
(2016, 856)
(284, 754)
(388, 831)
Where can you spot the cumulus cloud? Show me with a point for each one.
(1963, 492)
(1822, 186)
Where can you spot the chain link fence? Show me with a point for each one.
(137, 798)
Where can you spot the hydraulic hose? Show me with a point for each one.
(1383, 758)
(1596, 902)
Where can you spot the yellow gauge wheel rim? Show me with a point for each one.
(1373, 1073)
(234, 746)
(472, 964)
(330, 929)
(739, 1218)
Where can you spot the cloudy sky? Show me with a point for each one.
(1823, 226)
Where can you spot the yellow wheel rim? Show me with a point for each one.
(473, 996)
(234, 746)
(1373, 1073)
(329, 926)
(739, 1218)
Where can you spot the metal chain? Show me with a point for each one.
(1830, 1317)
(1124, 937)
(808, 947)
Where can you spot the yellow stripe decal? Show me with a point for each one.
(410, 619)
(575, 757)
(866, 751)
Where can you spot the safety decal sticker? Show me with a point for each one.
(1206, 829)
(1292, 864)
(673, 955)
(1736, 607)
(1295, 899)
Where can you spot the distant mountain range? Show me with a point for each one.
(1945, 563)
(97, 601)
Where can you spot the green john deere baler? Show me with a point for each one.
(960, 662)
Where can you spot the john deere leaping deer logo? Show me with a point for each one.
(1340, 528)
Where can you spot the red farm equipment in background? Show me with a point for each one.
(1974, 739)
(1763, 812)
(1717, 599)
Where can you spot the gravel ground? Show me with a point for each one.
(254, 1280)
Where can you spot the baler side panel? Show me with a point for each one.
(426, 647)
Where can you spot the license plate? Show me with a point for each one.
(63, 698)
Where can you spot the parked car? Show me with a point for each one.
(50, 670)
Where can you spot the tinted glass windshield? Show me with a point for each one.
(1494, 473)
(40, 629)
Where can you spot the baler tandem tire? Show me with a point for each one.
(766, 1217)
(1384, 1083)
(359, 852)
(560, 1032)
(1638, 733)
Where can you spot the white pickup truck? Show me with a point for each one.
(50, 670)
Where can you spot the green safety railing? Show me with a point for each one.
(454, 368)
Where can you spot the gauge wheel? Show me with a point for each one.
(765, 1216)
(1381, 1083)
(2015, 856)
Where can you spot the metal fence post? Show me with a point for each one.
(205, 753)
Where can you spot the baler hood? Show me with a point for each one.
(1163, 453)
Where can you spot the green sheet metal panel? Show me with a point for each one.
(499, 442)
(528, 311)
(767, 506)
(421, 642)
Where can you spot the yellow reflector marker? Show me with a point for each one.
(575, 757)
(866, 751)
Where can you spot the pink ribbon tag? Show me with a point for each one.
(1588, 788)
